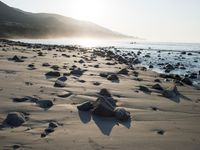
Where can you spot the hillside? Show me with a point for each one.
(15, 23)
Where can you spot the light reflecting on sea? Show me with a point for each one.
(136, 44)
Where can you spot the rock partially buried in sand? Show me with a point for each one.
(16, 59)
(59, 83)
(77, 72)
(15, 119)
(45, 103)
(113, 78)
(123, 71)
(144, 89)
(86, 106)
(53, 125)
(157, 87)
(121, 114)
(187, 81)
(53, 74)
(171, 92)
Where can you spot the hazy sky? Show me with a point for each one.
(154, 20)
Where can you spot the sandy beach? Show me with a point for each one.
(161, 118)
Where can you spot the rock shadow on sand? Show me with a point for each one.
(105, 124)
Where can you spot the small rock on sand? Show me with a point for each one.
(59, 83)
(144, 89)
(113, 78)
(53, 125)
(157, 87)
(53, 74)
(15, 119)
(45, 103)
(123, 71)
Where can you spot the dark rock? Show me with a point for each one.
(150, 66)
(187, 81)
(136, 61)
(121, 114)
(77, 72)
(55, 67)
(49, 130)
(154, 108)
(105, 92)
(193, 76)
(53, 125)
(144, 89)
(96, 83)
(103, 74)
(112, 77)
(59, 83)
(15, 119)
(161, 132)
(43, 135)
(81, 81)
(81, 61)
(46, 65)
(169, 67)
(157, 87)
(16, 146)
(63, 79)
(123, 71)
(171, 92)
(40, 54)
(103, 108)
(53, 74)
(157, 80)
(183, 53)
(86, 106)
(45, 103)
(16, 59)
(96, 66)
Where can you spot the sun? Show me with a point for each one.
(88, 10)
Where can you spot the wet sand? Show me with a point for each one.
(156, 122)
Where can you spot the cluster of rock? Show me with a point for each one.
(105, 106)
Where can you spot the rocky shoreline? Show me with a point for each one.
(69, 97)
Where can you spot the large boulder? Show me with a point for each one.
(15, 119)
(103, 108)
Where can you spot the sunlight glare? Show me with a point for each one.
(88, 10)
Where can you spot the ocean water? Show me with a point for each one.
(119, 44)
(158, 52)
